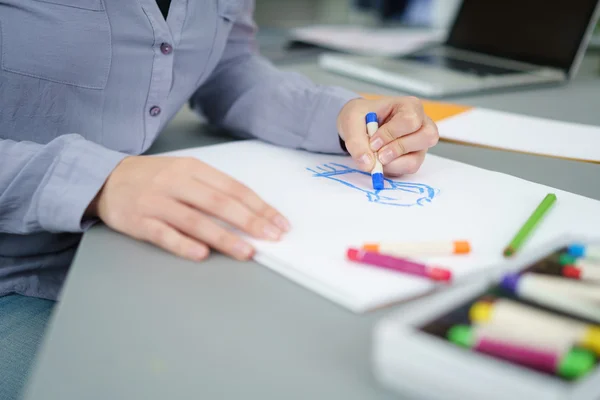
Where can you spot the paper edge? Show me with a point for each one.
(515, 149)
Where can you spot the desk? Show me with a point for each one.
(130, 327)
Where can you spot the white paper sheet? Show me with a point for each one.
(332, 206)
(365, 41)
(524, 133)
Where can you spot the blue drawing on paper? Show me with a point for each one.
(394, 193)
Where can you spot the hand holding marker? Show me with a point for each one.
(377, 172)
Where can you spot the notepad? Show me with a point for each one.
(331, 206)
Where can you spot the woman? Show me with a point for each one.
(87, 85)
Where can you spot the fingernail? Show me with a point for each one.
(365, 159)
(243, 249)
(386, 156)
(271, 232)
(376, 144)
(282, 223)
(198, 253)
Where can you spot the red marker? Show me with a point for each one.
(398, 264)
(582, 272)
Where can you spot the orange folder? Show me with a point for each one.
(435, 110)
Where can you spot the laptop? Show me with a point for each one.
(491, 45)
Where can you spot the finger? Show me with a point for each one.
(169, 239)
(407, 164)
(358, 147)
(226, 184)
(203, 228)
(407, 118)
(356, 140)
(226, 208)
(423, 139)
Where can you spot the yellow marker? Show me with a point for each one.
(539, 327)
(481, 311)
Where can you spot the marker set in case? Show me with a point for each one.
(529, 330)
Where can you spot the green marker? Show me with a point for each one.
(530, 224)
(567, 259)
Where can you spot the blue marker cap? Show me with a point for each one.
(510, 282)
(371, 117)
(576, 250)
(378, 182)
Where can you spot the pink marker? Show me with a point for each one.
(569, 362)
(398, 264)
(539, 359)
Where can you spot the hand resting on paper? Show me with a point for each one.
(404, 136)
(172, 202)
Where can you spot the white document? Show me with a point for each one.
(523, 133)
(332, 206)
(365, 41)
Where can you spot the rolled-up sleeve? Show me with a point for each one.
(250, 96)
(49, 187)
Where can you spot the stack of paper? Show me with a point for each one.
(332, 206)
(365, 41)
(508, 131)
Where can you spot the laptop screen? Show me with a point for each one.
(543, 32)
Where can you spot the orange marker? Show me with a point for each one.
(438, 248)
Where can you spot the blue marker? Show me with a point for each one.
(377, 172)
(581, 250)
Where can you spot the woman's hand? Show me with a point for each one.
(404, 136)
(180, 205)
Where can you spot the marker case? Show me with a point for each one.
(408, 360)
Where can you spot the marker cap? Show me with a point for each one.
(566, 259)
(374, 247)
(571, 272)
(481, 311)
(591, 340)
(352, 254)
(371, 117)
(439, 274)
(378, 182)
(576, 250)
(510, 282)
(462, 247)
(461, 335)
(576, 363)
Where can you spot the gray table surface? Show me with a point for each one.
(135, 322)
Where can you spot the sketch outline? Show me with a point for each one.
(333, 170)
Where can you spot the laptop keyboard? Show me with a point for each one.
(461, 65)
